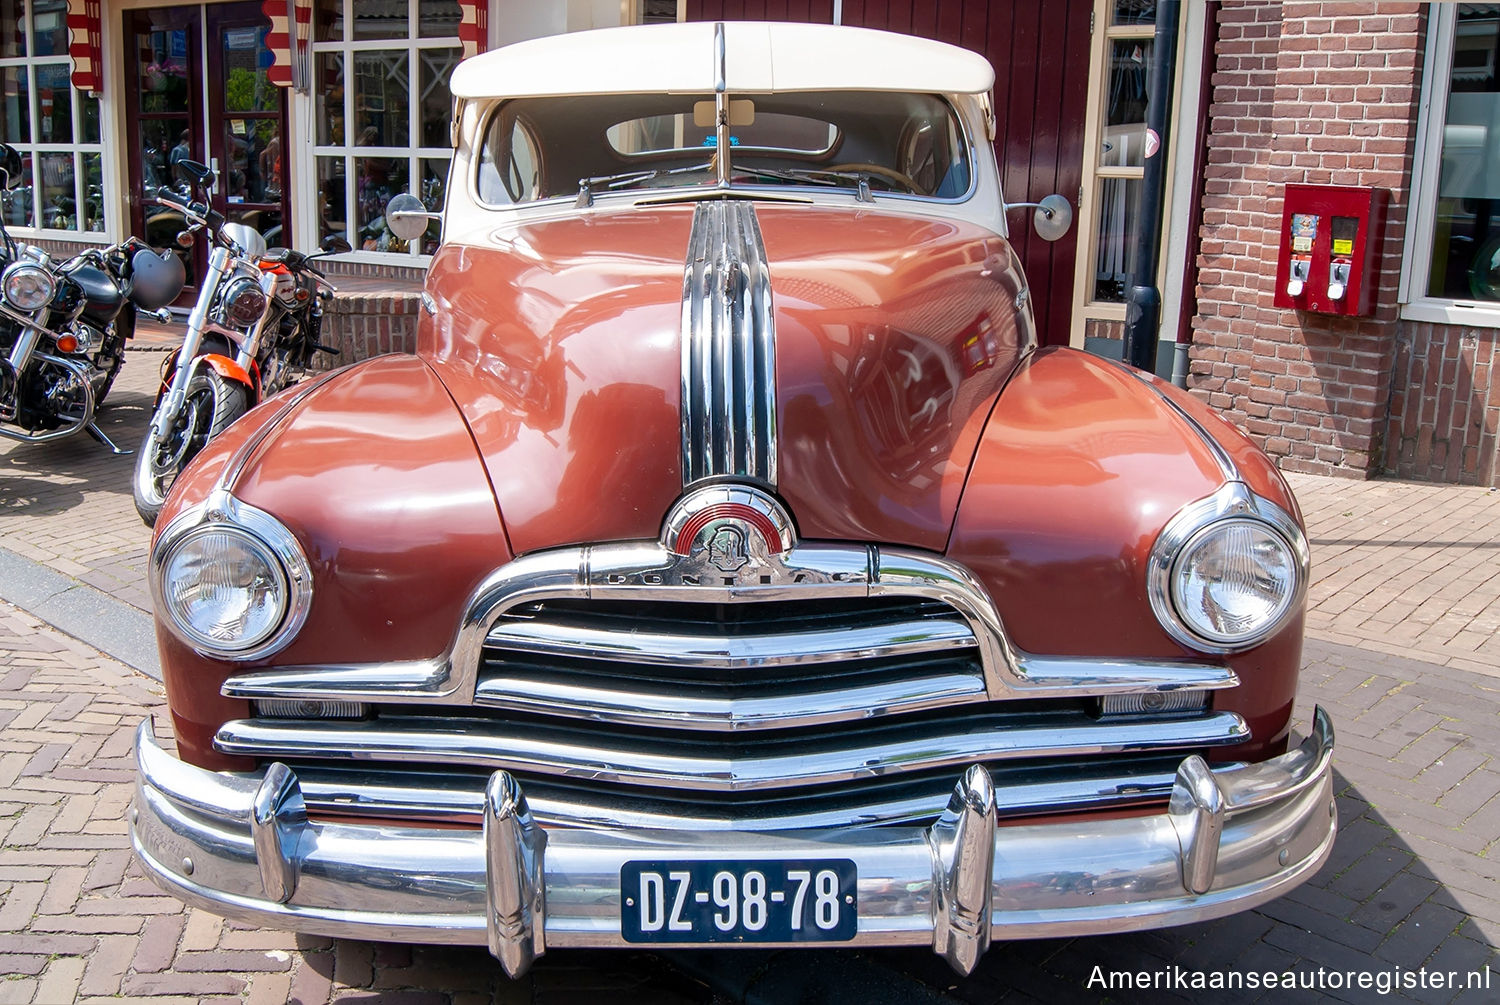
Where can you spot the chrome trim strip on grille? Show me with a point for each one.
(628, 703)
(650, 571)
(862, 642)
(601, 758)
(728, 348)
(371, 793)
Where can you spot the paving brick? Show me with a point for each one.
(107, 965)
(59, 982)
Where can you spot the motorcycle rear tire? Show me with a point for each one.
(211, 404)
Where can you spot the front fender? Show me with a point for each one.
(1080, 466)
(375, 473)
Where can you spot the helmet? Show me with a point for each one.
(156, 278)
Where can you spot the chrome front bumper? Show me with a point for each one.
(242, 846)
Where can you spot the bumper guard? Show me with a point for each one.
(242, 846)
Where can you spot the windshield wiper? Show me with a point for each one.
(816, 176)
(626, 179)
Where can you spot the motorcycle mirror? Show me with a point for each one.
(10, 165)
(195, 172)
(406, 216)
(333, 244)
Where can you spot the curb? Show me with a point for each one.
(112, 626)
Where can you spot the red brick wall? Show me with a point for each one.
(1321, 94)
(1445, 405)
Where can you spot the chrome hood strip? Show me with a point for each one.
(601, 758)
(728, 348)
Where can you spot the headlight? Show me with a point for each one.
(231, 581)
(1227, 572)
(244, 302)
(28, 287)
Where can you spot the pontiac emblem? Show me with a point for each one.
(726, 549)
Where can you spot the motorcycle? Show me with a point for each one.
(64, 325)
(253, 331)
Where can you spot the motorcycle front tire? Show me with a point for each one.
(211, 404)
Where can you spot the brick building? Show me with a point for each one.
(1401, 97)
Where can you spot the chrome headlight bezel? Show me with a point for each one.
(243, 302)
(39, 295)
(224, 513)
(1233, 504)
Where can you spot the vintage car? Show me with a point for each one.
(729, 564)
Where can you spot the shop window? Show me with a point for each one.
(1120, 141)
(1452, 260)
(54, 126)
(381, 71)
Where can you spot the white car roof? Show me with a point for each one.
(760, 57)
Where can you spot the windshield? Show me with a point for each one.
(861, 141)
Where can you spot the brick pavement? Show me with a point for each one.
(1413, 881)
(68, 506)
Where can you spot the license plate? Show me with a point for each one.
(782, 900)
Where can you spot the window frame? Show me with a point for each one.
(1421, 221)
(414, 153)
(1177, 185)
(33, 148)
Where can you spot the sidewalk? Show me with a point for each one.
(1401, 650)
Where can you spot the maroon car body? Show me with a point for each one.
(729, 523)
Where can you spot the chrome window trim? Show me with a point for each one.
(222, 508)
(1233, 501)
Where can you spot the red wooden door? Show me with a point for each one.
(1040, 52)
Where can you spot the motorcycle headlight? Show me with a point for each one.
(1227, 573)
(244, 302)
(235, 588)
(27, 287)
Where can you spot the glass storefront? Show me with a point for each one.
(53, 126)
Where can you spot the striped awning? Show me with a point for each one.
(474, 26)
(289, 51)
(84, 45)
(289, 55)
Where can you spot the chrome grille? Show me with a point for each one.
(731, 666)
(833, 685)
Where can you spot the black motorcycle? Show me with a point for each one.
(64, 325)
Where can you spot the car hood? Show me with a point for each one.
(563, 342)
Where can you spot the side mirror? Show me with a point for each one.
(1054, 216)
(195, 172)
(406, 216)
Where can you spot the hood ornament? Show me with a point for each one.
(737, 541)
